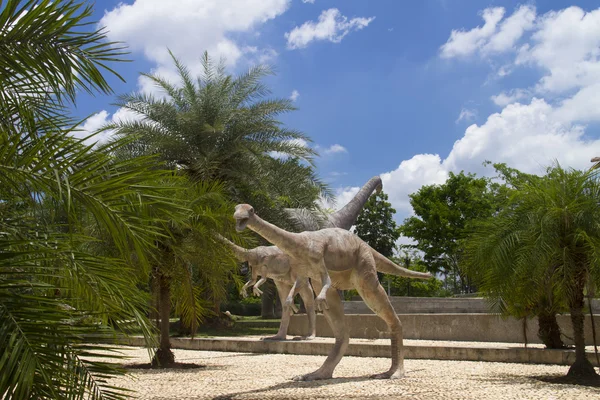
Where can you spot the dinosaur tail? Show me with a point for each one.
(386, 266)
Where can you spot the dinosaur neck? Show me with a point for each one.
(279, 237)
(346, 217)
(240, 253)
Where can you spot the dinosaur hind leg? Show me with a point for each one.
(374, 296)
(283, 289)
(308, 298)
(335, 318)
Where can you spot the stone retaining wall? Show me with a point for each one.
(436, 305)
(459, 327)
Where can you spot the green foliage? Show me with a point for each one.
(546, 241)
(76, 223)
(442, 215)
(400, 286)
(376, 226)
(52, 56)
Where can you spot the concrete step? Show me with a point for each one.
(463, 351)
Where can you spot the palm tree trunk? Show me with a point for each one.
(549, 331)
(164, 356)
(582, 366)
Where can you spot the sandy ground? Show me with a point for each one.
(267, 376)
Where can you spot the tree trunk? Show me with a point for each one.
(582, 368)
(549, 331)
(267, 301)
(164, 357)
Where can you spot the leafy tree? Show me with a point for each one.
(400, 286)
(547, 236)
(376, 226)
(58, 199)
(442, 215)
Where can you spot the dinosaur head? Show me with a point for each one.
(243, 214)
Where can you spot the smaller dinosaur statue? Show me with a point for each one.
(350, 263)
(270, 262)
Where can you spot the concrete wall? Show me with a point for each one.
(459, 327)
(435, 305)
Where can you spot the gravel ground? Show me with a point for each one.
(267, 376)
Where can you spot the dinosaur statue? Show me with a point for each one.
(270, 262)
(350, 264)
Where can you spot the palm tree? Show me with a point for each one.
(190, 268)
(214, 127)
(58, 200)
(547, 238)
(221, 128)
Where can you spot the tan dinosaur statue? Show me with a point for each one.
(349, 263)
(265, 260)
(270, 262)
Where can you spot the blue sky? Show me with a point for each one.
(408, 90)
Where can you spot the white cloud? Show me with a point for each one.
(466, 115)
(332, 26)
(309, 1)
(463, 43)
(567, 47)
(493, 36)
(525, 136)
(511, 30)
(295, 94)
(511, 96)
(422, 169)
(333, 149)
(188, 28)
(99, 120)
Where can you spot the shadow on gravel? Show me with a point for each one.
(294, 385)
(552, 379)
(568, 380)
(147, 368)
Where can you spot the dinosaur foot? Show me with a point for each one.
(388, 375)
(274, 338)
(310, 337)
(313, 376)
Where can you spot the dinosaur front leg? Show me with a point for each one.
(244, 289)
(282, 290)
(321, 299)
(263, 279)
(336, 319)
(308, 297)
